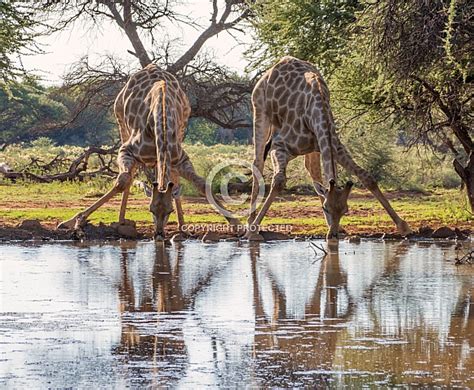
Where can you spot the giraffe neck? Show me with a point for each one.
(329, 135)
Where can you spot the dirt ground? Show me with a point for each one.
(47, 230)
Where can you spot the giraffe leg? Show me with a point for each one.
(123, 205)
(280, 161)
(345, 159)
(126, 165)
(179, 212)
(186, 170)
(312, 163)
(177, 200)
(261, 131)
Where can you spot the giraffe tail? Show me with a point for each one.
(163, 157)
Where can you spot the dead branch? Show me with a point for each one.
(465, 258)
(318, 256)
(77, 168)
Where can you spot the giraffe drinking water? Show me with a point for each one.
(292, 117)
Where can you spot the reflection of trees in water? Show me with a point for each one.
(304, 318)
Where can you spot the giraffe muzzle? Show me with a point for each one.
(159, 237)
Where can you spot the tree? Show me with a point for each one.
(208, 84)
(317, 31)
(423, 51)
(402, 65)
(27, 111)
(15, 34)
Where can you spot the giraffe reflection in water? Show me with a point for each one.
(262, 314)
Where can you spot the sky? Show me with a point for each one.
(66, 47)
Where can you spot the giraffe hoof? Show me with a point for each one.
(404, 229)
(69, 224)
(179, 237)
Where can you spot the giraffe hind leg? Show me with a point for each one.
(345, 159)
(262, 133)
(280, 161)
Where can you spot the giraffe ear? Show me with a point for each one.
(176, 191)
(320, 189)
(147, 190)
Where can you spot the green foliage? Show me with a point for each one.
(316, 31)
(30, 110)
(27, 110)
(15, 34)
(202, 131)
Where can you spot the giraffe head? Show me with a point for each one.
(334, 204)
(161, 206)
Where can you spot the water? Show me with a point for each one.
(234, 315)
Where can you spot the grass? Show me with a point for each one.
(55, 202)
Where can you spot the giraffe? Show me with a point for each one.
(152, 112)
(292, 117)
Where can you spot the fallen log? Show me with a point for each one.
(77, 169)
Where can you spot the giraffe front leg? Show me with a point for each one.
(280, 161)
(345, 159)
(186, 170)
(123, 204)
(262, 130)
(126, 164)
(312, 163)
(177, 198)
(181, 235)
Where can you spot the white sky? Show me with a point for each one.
(66, 47)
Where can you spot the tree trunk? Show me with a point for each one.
(467, 176)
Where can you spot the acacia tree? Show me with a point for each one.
(423, 50)
(317, 31)
(16, 33)
(215, 94)
(405, 66)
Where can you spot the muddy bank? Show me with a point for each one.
(35, 230)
